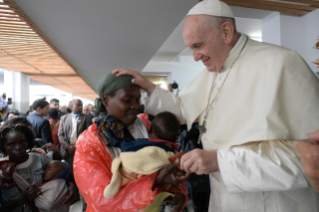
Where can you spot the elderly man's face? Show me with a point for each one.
(77, 107)
(206, 44)
(91, 109)
(86, 110)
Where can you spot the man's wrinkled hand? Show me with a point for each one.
(310, 158)
(138, 79)
(200, 162)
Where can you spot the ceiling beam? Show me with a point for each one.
(316, 3)
(265, 7)
(279, 4)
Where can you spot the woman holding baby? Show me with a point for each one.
(100, 144)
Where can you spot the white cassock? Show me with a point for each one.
(269, 100)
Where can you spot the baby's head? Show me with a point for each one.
(165, 126)
(54, 168)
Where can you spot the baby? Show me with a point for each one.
(56, 169)
(54, 189)
(145, 156)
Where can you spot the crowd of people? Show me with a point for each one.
(254, 105)
(38, 150)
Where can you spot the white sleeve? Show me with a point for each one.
(163, 100)
(262, 166)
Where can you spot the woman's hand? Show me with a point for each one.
(138, 79)
(33, 192)
(72, 194)
(178, 200)
(71, 149)
(40, 151)
(167, 175)
(54, 149)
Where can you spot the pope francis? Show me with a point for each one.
(253, 102)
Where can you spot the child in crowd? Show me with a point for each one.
(145, 156)
(54, 189)
(21, 173)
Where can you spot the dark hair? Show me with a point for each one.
(54, 113)
(14, 111)
(165, 126)
(41, 103)
(20, 124)
(54, 100)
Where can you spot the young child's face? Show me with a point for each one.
(53, 169)
(16, 145)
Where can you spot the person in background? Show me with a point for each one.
(55, 103)
(54, 123)
(69, 109)
(3, 106)
(92, 110)
(64, 109)
(11, 114)
(86, 110)
(40, 125)
(310, 158)
(17, 142)
(71, 126)
(170, 87)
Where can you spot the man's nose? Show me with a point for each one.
(197, 56)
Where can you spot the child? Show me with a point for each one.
(21, 173)
(145, 156)
(54, 189)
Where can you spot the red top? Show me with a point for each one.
(92, 173)
(54, 130)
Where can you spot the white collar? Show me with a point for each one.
(240, 40)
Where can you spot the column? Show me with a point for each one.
(16, 86)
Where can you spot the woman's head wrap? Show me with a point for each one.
(109, 84)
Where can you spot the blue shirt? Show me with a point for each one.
(3, 102)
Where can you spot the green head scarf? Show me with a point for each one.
(109, 84)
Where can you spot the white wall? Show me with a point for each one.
(297, 33)
(182, 72)
(40, 91)
(16, 86)
(271, 28)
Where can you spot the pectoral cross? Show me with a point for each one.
(202, 130)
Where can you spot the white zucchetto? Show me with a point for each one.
(213, 8)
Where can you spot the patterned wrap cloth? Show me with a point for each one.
(53, 194)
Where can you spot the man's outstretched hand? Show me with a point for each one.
(138, 79)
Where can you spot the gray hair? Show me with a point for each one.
(213, 22)
(75, 100)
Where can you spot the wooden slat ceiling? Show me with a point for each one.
(297, 7)
(24, 49)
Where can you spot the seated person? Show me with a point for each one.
(145, 156)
